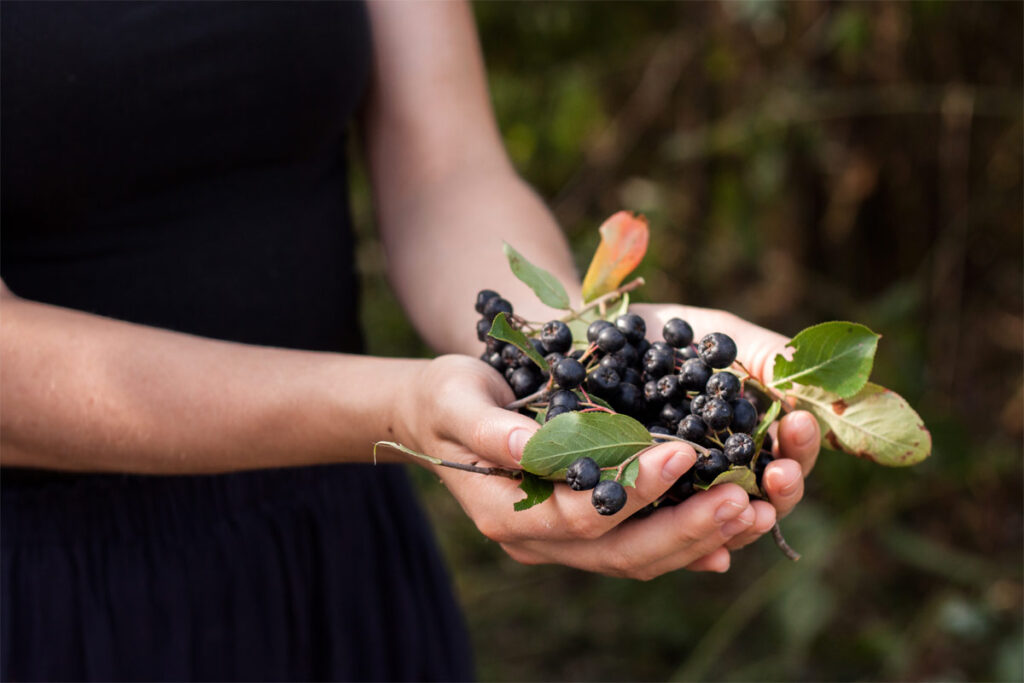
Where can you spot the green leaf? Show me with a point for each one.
(741, 476)
(544, 285)
(578, 326)
(501, 330)
(877, 424)
(606, 437)
(835, 356)
(537, 490)
(762, 428)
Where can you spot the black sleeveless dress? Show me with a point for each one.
(183, 165)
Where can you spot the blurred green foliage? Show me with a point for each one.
(799, 162)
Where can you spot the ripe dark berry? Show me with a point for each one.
(677, 333)
(642, 346)
(513, 357)
(495, 306)
(555, 411)
(538, 347)
(739, 449)
(657, 364)
(686, 353)
(762, 461)
(657, 429)
(628, 356)
(767, 443)
(525, 381)
(494, 345)
(610, 339)
(614, 363)
(603, 381)
(710, 466)
(628, 399)
(744, 416)
(482, 297)
(669, 389)
(632, 326)
(717, 350)
(609, 497)
(717, 414)
(552, 359)
(595, 329)
(691, 428)
(664, 347)
(565, 399)
(556, 337)
(583, 474)
(651, 394)
(723, 385)
(671, 414)
(697, 404)
(694, 375)
(483, 326)
(683, 488)
(494, 360)
(568, 373)
(631, 376)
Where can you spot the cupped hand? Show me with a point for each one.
(453, 411)
(798, 437)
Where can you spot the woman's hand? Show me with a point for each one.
(798, 438)
(453, 410)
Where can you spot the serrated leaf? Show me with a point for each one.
(606, 437)
(501, 330)
(742, 476)
(578, 326)
(877, 424)
(629, 473)
(623, 244)
(835, 356)
(547, 288)
(537, 490)
(762, 428)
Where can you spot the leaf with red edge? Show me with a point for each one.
(624, 239)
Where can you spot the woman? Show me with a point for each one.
(181, 303)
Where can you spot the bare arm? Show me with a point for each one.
(83, 392)
(445, 192)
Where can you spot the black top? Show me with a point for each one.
(182, 165)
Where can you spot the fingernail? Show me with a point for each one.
(804, 431)
(676, 466)
(728, 510)
(517, 442)
(785, 485)
(736, 526)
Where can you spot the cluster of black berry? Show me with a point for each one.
(675, 387)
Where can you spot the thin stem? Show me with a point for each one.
(670, 437)
(605, 298)
(519, 403)
(594, 408)
(781, 542)
(773, 393)
(493, 471)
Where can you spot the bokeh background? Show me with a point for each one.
(799, 162)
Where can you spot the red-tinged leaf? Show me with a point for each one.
(623, 245)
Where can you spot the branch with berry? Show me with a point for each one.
(604, 392)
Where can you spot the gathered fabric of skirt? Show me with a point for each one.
(312, 573)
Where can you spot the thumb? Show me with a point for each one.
(475, 419)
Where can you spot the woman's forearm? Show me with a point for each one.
(83, 392)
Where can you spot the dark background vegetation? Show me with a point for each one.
(799, 162)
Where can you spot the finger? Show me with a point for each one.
(799, 438)
(716, 561)
(472, 416)
(720, 527)
(669, 539)
(784, 484)
(762, 524)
